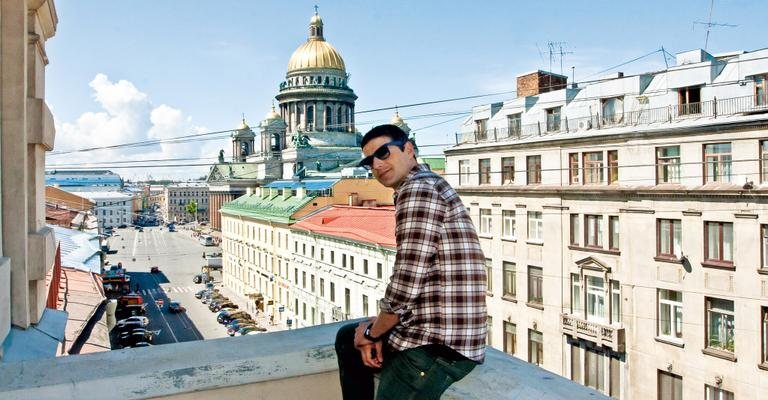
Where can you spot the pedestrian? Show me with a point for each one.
(271, 319)
(431, 326)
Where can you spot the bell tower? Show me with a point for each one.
(242, 142)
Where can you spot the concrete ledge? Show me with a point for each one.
(41, 252)
(280, 365)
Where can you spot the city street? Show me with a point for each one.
(179, 258)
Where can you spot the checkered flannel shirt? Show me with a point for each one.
(438, 286)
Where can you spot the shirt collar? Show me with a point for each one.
(415, 170)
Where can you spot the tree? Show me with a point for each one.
(191, 208)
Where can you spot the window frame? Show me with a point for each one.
(761, 84)
(763, 156)
(486, 222)
(489, 276)
(675, 244)
(764, 336)
(592, 308)
(613, 166)
(539, 351)
(536, 221)
(721, 261)
(509, 224)
(676, 385)
(509, 282)
(554, 118)
(590, 167)
(510, 337)
(574, 172)
(481, 129)
(514, 125)
(709, 311)
(535, 285)
(533, 169)
(507, 170)
(575, 229)
(723, 161)
(667, 169)
(613, 242)
(684, 103)
(675, 314)
(594, 221)
(716, 393)
(484, 171)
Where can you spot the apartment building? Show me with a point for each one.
(625, 225)
(260, 250)
(342, 260)
(112, 208)
(176, 197)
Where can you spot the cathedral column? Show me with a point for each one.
(352, 118)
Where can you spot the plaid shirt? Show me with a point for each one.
(438, 285)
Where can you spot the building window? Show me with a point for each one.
(510, 338)
(333, 292)
(669, 233)
(761, 90)
(593, 167)
(347, 302)
(312, 283)
(481, 129)
(670, 314)
(533, 170)
(365, 267)
(484, 167)
(764, 161)
(575, 229)
(464, 172)
(508, 224)
(553, 119)
(343, 261)
(593, 235)
(668, 164)
(689, 100)
(485, 222)
(715, 393)
(507, 170)
(717, 162)
(510, 280)
(379, 271)
(670, 386)
(718, 242)
(595, 298)
(535, 285)
(488, 275)
(365, 306)
(613, 167)
(613, 233)
(535, 226)
(764, 319)
(489, 330)
(322, 254)
(352, 262)
(573, 168)
(333, 257)
(720, 324)
(514, 124)
(576, 295)
(535, 347)
(615, 302)
(613, 110)
(304, 279)
(322, 287)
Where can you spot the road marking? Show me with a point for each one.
(135, 243)
(162, 315)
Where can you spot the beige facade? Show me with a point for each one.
(629, 254)
(26, 124)
(176, 198)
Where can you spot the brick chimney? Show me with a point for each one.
(536, 82)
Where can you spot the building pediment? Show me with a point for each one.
(592, 263)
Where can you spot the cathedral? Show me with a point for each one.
(309, 133)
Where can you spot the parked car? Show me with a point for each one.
(202, 278)
(233, 330)
(144, 321)
(128, 326)
(218, 306)
(134, 337)
(239, 323)
(122, 226)
(142, 344)
(175, 307)
(224, 318)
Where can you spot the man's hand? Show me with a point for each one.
(371, 352)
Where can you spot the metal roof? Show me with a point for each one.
(79, 250)
(309, 184)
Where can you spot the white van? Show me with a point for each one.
(206, 240)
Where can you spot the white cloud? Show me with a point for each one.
(127, 115)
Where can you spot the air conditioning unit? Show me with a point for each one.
(584, 125)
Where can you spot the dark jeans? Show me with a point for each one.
(420, 373)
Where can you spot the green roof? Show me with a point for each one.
(272, 208)
(434, 162)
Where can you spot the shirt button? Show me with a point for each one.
(421, 373)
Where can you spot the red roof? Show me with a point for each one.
(364, 224)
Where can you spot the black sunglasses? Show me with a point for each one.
(382, 153)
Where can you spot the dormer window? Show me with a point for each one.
(689, 100)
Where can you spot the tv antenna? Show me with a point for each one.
(709, 24)
(556, 50)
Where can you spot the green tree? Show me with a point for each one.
(192, 209)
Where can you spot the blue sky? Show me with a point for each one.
(127, 71)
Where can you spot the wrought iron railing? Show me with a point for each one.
(676, 112)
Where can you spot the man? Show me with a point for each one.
(431, 328)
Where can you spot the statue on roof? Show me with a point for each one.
(300, 141)
(221, 156)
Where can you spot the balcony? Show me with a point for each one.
(603, 335)
(565, 124)
(296, 364)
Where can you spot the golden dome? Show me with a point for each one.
(272, 115)
(396, 119)
(243, 125)
(316, 54)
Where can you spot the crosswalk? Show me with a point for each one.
(168, 289)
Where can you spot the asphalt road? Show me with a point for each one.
(179, 258)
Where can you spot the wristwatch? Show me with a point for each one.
(367, 334)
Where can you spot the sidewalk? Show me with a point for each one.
(262, 319)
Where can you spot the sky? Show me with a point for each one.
(142, 70)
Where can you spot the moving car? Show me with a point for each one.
(139, 335)
(175, 307)
(128, 326)
(144, 321)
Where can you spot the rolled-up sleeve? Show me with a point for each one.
(419, 215)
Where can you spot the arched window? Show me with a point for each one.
(339, 119)
(328, 118)
(310, 118)
(275, 142)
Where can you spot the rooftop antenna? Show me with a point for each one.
(556, 49)
(709, 24)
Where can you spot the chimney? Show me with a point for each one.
(301, 192)
(354, 199)
(537, 82)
